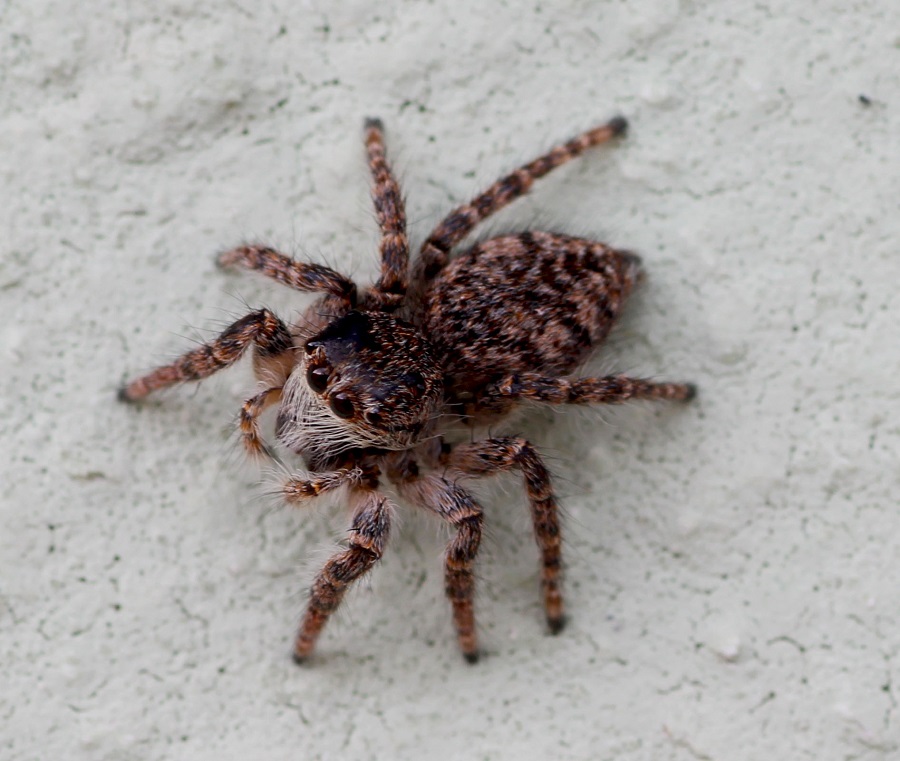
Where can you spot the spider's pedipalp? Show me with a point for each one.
(248, 421)
(298, 491)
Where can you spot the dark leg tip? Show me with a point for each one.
(122, 395)
(556, 625)
(618, 125)
(373, 122)
(629, 256)
(691, 392)
(472, 657)
(300, 660)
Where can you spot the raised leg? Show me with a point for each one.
(274, 348)
(609, 389)
(302, 276)
(456, 506)
(368, 536)
(391, 215)
(461, 221)
(485, 458)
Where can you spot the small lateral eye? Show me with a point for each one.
(342, 406)
(374, 417)
(415, 380)
(317, 378)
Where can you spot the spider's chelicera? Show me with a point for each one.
(371, 384)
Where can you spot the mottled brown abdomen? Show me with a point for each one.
(532, 302)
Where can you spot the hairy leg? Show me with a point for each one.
(391, 215)
(368, 536)
(274, 349)
(452, 503)
(609, 389)
(485, 458)
(302, 276)
(461, 221)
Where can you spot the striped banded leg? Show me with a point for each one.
(461, 221)
(456, 506)
(262, 328)
(609, 389)
(368, 536)
(391, 215)
(485, 458)
(301, 276)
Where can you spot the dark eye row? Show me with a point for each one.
(341, 404)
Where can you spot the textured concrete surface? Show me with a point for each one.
(732, 567)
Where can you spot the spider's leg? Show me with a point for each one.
(274, 353)
(490, 456)
(391, 215)
(302, 276)
(456, 506)
(608, 389)
(461, 221)
(368, 536)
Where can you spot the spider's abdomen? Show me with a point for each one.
(532, 302)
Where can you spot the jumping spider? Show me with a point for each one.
(366, 382)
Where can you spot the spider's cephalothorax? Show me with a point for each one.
(363, 394)
(368, 380)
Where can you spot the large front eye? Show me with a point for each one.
(317, 378)
(342, 406)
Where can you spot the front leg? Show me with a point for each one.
(298, 491)
(274, 356)
(368, 536)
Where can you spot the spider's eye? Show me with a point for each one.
(342, 406)
(415, 380)
(374, 417)
(317, 378)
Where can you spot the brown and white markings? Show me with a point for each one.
(370, 384)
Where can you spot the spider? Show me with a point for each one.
(372, 384)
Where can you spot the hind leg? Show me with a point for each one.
(608, 389)
(461, 221)
(491, 456)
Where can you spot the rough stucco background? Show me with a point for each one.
(732, 566)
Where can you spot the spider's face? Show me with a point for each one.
(367, 379)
